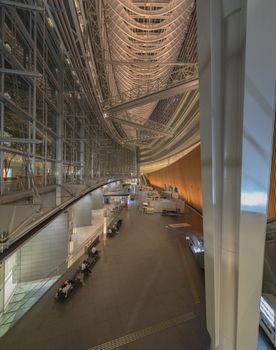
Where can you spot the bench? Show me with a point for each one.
(174, 213)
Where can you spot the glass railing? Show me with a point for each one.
(23, 183)
(68, 191)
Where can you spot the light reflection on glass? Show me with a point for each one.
(267, 311)
(254, 201)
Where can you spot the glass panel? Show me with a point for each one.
(42, 260)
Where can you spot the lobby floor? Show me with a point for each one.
(146, 292)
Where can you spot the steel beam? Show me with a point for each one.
(141, 140)
(19, 140)
(140, 127)
(21, 5)
(20, 72)
(75, 139)
(146, 63)
(15, 108)
(155, 96)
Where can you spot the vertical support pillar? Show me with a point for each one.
(105, 227)
(59, 141)
(92, 161)
(82, 135)
(70, 230)
(237, 59)
(33, 149)
(136, 163)
(45, 162)
(2, 281)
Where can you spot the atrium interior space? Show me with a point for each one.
(137, 174)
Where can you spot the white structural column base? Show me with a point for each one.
(2, 280)
(237, 56)
(105, 229)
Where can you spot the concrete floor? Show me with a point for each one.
(146, 278)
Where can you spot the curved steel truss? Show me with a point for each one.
(138, 53)
(143, 41)
(185, 77)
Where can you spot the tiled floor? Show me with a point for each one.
(146, 275)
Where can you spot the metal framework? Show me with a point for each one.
(51, 126)
(143, 41)
(180, 112)
(133, 48)
(180, 76)
(149, 126)
(64, 63)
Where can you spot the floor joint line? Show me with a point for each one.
(142, 333)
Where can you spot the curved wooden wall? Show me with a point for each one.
(271, 210)
(185, 174)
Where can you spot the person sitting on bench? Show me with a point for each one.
(66, 287)
(84, 267)
(94, 251)
(110, 233)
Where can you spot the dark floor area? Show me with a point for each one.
(264, 342)
(145, 290)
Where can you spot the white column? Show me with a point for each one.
(105, 228)
(2, 280)
(237, 56)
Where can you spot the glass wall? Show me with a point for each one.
(49, 119)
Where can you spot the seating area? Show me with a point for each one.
(70, 285)
(145, 276)
(112, 231)
(174, 213)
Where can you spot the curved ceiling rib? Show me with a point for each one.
(144, 39)
(135, 47)
(144, 9)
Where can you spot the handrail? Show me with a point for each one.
(6, 248)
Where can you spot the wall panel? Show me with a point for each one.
(43, 253)
(185, 174)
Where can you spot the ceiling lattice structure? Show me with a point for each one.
(141, 59)
(144, 39)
